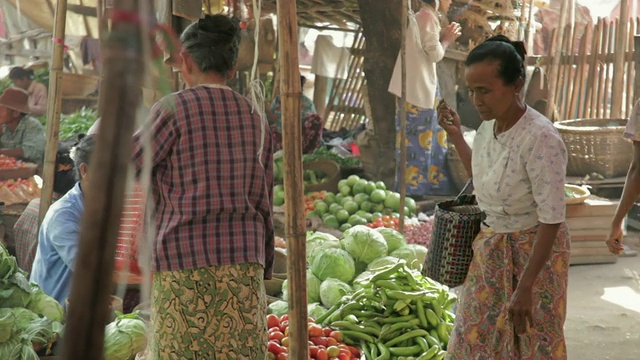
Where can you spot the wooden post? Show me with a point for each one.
(636, 59)
(295, 226)
(619, 59)
(403, 116)
(320, 93)
(54, 107)
(104, 197)
(555, 60)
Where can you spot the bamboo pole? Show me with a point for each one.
(555, 61)
(578, 99)
(529, 33)
(403, 115)
(295, 225)
(54, 108)
(104, 197)
(619, 59)
(593, 69)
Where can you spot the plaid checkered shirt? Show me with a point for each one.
(212, 181)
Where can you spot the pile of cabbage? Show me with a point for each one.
(337, 267)
(30, 320)
(125, 337)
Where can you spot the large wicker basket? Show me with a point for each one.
(330, 168)
(457, 172)
(78, 84)
(596, 146)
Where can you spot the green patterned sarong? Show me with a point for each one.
(211, 313)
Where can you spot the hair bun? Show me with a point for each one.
(520, 47)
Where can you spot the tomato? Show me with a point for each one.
(354, 351)
(386, 217)
(336, 335)
(276, 335)
(322, 355)
(395, 220)
(319, 341)
(284, 325)
(333, 351)
(332, 342)
(344, 356)
(283, 356)
(274, 348)
(313, 351)
(284, 318)
(285, 342)
(286, 331)
(346, 353)
(273, 321)
(327, 331)
(315, 330)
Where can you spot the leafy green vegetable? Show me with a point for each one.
(332, 291)
(315, 310)
(414, 254)
(44, 305)
(382, 262)
(333, 263)
(77, 123)
(317, 242)
(313, 288)
(364, 244)
(323, 153)
(278, 308)
(15, 291)
(125, 337)
(393, 238)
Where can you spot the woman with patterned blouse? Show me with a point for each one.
(513, 302)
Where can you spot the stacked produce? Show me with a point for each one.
(325, 343)
(395, 314)
(19, 191)
(324, 153)
(79, 122)
(8, 162)
(125, 337)
(30, 320)
(336, 266)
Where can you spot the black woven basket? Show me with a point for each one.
(456, 225)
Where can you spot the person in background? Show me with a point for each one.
(25, 230)
(631, 190)
(312, 124)
(23, 137)
(212, 183)
(60, 231)
(427, 146)
(24, 79)
(513, 303)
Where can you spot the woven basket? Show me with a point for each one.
(78, 85)
(457, 172)
(330, 168)
(596, 146)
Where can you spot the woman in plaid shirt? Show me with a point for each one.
(212, 186)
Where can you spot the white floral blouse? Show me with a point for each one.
(519, 177)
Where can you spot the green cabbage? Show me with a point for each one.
(125, 337)
(393, 238)
(315, 310)
(7, 321)
(278, 308)
(44, 305)
(364, 244)
(15, 291)
(12, 348)
(332, 291)
(414, 254)
(318, 241)
(313, 288)
(360, 280)
(334, 263)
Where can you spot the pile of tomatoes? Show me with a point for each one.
(324, 343)
(8, 162)
(387, 221)
(310, 200)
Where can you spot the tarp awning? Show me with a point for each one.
(42, 14)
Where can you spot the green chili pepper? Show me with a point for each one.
(387, 284)
(429, 354)
(325, 316)
(349, 326)
(421, 314)
(359, 335)
(406, 336)
(392, 320)
(385, 354)
(405, 351)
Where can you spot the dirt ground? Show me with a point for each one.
(603, 320)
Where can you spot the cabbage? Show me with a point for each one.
(8, 266)
(393, 238)
(22, 333)
(12, 349)
(332, 291)
(315, 310)
(313, 288)
(414, 254)
(44, 305)
(7, 320)
(15, 292)
(383, 262)
(278, 308)
(125, 337)
(318, 241)
(362, 279)
(364, 244)
(334, 263)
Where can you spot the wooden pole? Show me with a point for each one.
(104, 197)
(403, 116)
(619, 59)
(54, 107)
(529, 32)
(295, 226)
(555, 60)
(636, 61)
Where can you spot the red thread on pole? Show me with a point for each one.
(131, 17)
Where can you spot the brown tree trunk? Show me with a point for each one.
(381, 27)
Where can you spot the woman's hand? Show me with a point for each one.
(449, 34)
(521, 309)
(615, 240)
(448, 119)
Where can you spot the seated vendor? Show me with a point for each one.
(25, 80)
(60, 231)
(23, 137)
(312, 124)
(25, 230)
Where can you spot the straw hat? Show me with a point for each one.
(15, 99)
